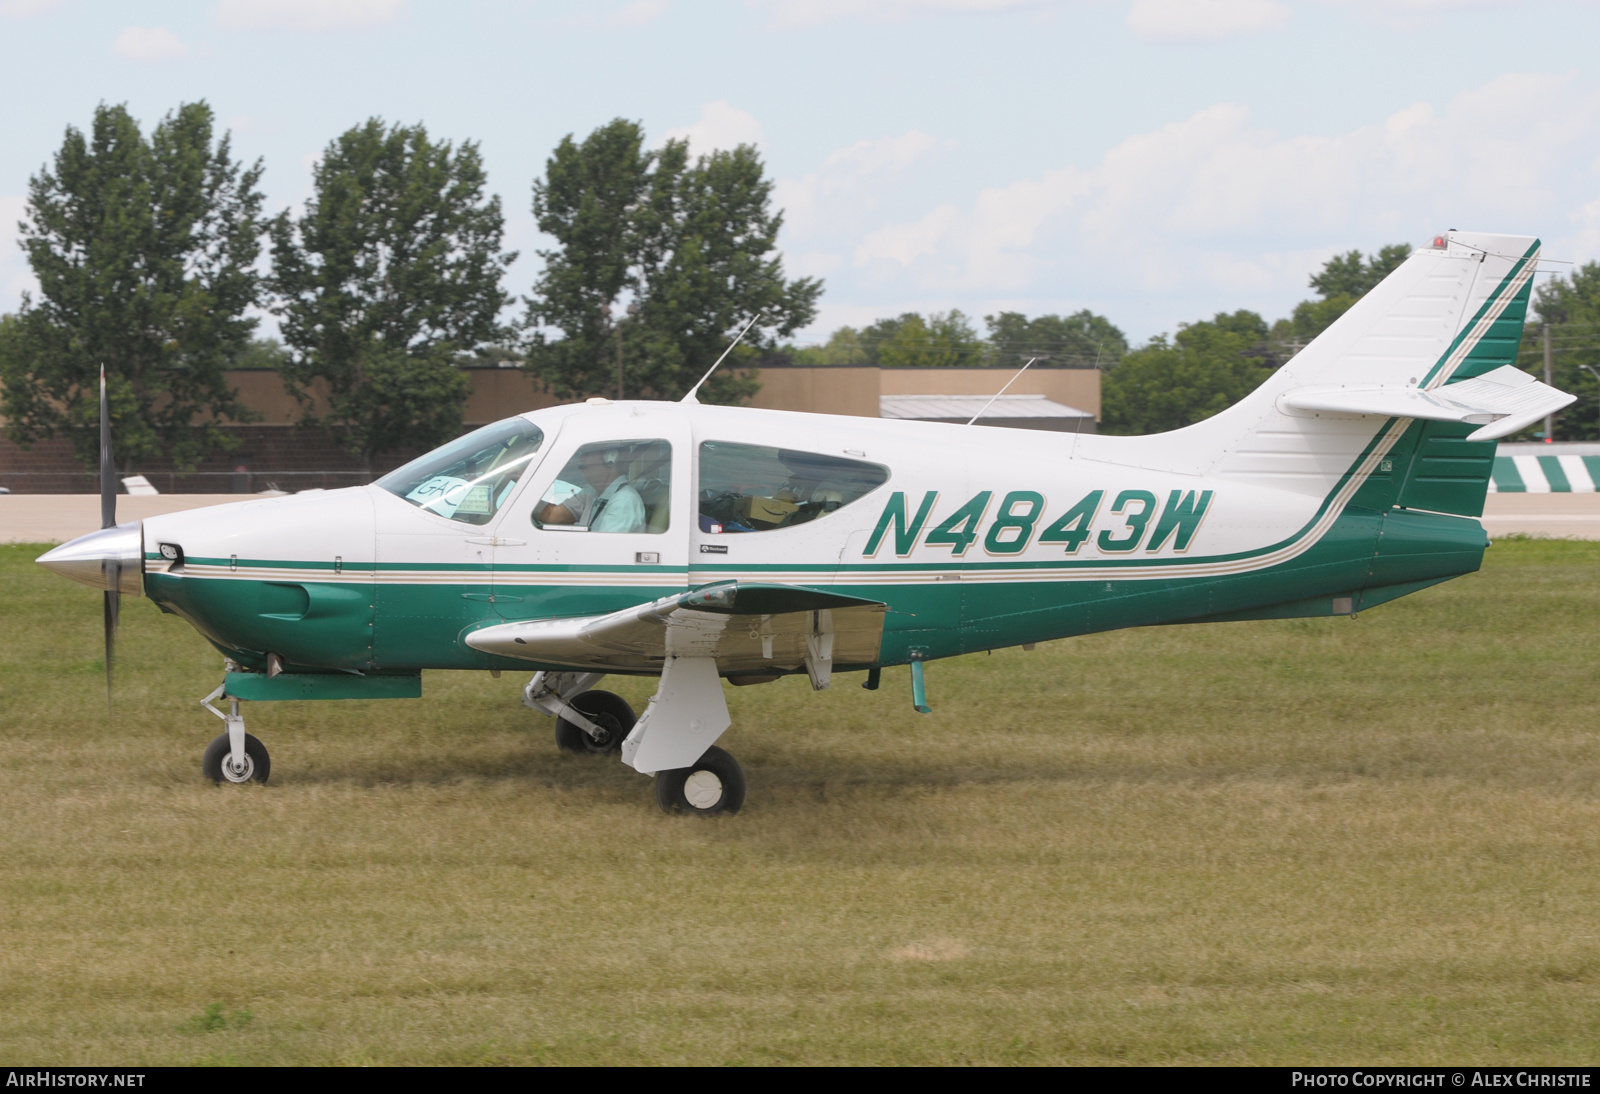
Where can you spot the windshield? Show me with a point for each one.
(470, 478)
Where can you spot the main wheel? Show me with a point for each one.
(713, 784)
(608, 711)
(257, 764)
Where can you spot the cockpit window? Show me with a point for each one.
(754, 488)
(611, 486)
(470, 478)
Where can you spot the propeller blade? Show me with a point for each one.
(113, 609)
(108, 469)
(108, 519)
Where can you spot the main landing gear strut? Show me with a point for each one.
(674, 739)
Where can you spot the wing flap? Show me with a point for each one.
(1502, 402)
(746, 627)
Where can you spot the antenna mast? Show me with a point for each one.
(689, 398)
(1002, 391)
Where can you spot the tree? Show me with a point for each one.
(391, 273)
(1344, 279)
(1205, 368)
(843, 347)
(1082, 339)
(144, 251)
(1570, 306)
(692, 244)
(589, 200)
(943, 340)
(261, 353)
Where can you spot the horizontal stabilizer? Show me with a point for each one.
(1502, 402)
(750, 628)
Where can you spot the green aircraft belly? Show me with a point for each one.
(402, 626)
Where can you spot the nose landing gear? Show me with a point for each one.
(236, 756)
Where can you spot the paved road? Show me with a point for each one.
(1567, 516)
(56, 518)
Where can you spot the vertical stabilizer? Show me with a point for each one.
(1449, 312)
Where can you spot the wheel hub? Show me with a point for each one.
(703, 789)
(238, 774)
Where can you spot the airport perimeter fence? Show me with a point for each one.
(188, 482)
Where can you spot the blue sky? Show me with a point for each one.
(1153, 160)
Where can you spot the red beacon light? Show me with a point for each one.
(1439, 243)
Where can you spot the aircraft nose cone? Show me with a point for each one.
(111, 559)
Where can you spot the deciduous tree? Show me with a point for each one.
(145, 251)
(1083, 339)
(1570, 305)
(1204, 368)
(691, 245)
(393, 270)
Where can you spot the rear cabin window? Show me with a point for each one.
(756, 488)
(470, 478)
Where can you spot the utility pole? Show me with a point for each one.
(1549, 420)
(619, 363)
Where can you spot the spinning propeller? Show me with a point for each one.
(108, 519)
(111, 559)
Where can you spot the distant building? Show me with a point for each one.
(1015, 411)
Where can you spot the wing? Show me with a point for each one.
(748, 628)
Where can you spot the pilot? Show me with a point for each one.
(606, 502)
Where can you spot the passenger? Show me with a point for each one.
(808, 485)
(606, 503)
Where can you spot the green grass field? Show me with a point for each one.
(1325, 841)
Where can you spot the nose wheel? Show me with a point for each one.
(712, 784)
(236, 756)
(218, 765)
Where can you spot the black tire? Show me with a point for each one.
(609, 711)
(258, 765)
(686, 790)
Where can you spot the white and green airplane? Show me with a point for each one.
(700, 543)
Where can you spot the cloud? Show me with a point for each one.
(637, 14)
(312, 15)
(810, 13)
(148, 44)
(22, 9)
(721, 125)
(1213, 204)
(849, 186)
(1204, 20)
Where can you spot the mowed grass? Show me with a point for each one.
(1325, 841)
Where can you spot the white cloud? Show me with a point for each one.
(307, 14)
(21, 9)
(721, 125)
(148, 44)
(849, 186)
(810, 13)
(1213, 203)
(1204, 20)
(637, 14)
